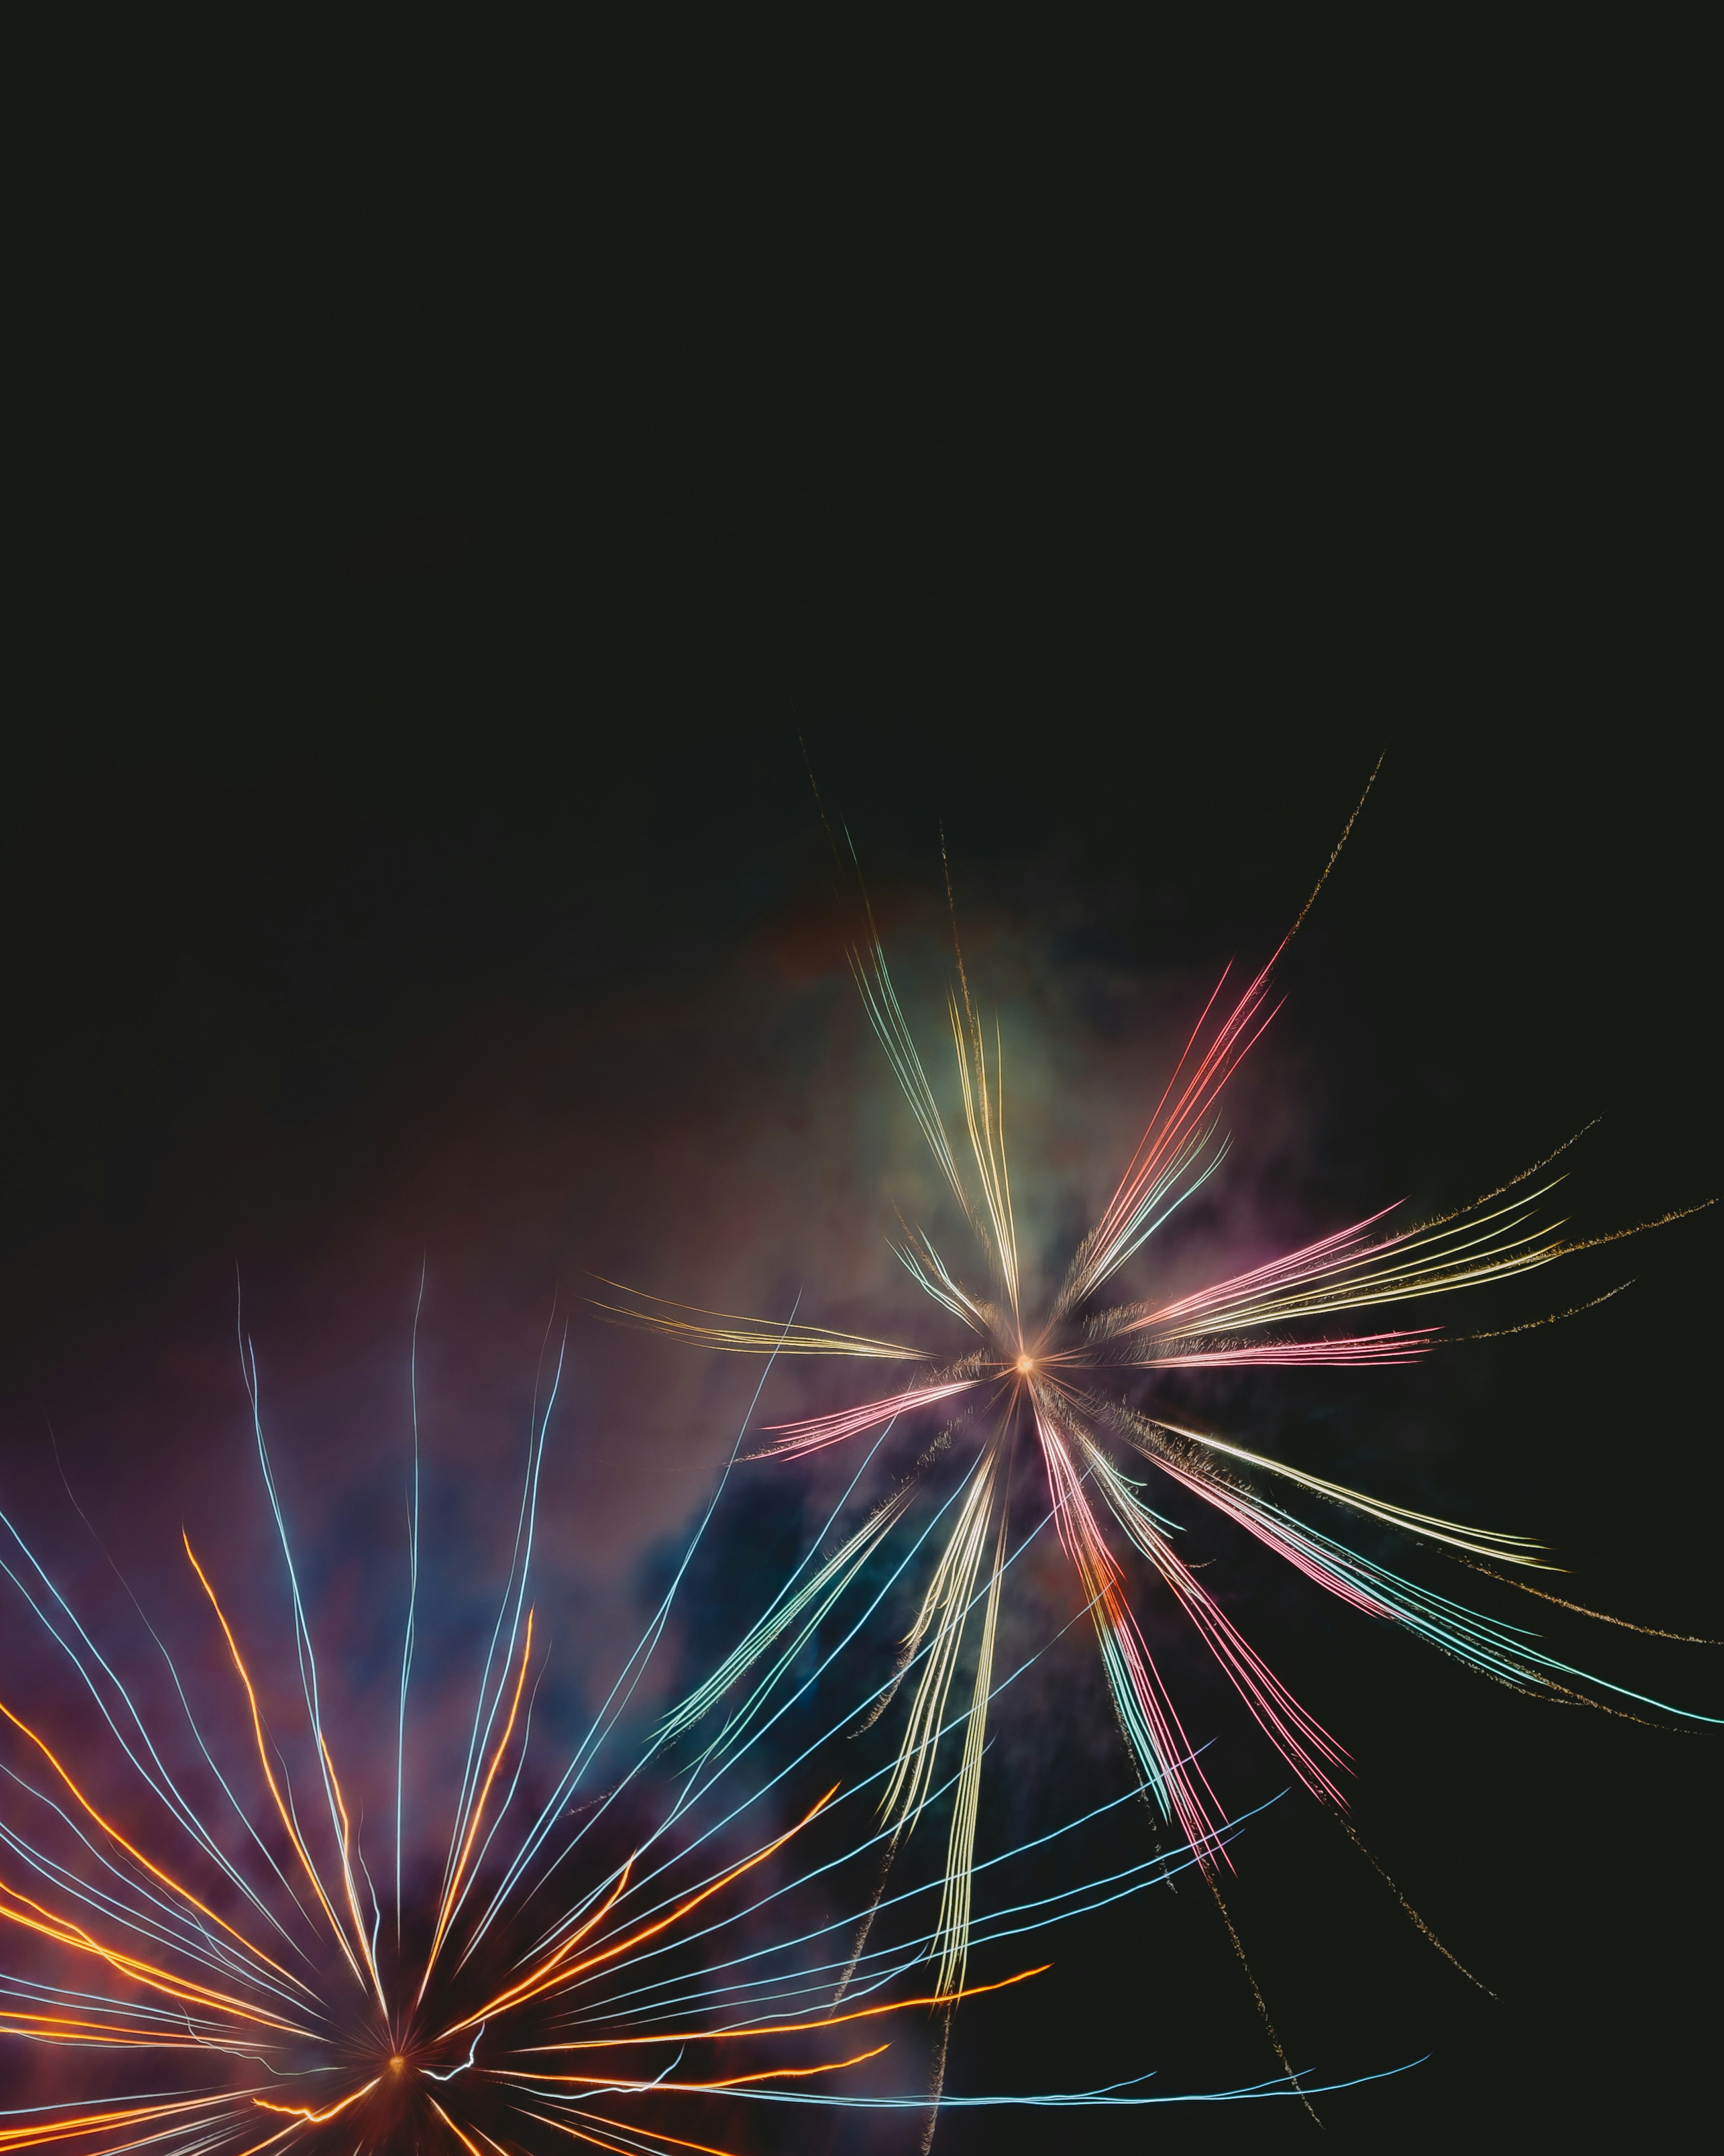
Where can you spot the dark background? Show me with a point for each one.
(428, 560)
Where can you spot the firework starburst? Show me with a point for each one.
(1061, 1383)
(232, 1978)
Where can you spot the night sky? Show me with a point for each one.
(438, 578)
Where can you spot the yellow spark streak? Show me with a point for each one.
(947, 1599)
(1346, 833)
(547, 1976)
(257, 1723)
(445, 1913)
(132, 1850)
(1538, 1324)
(1362, 1279)
(885, 1015)
(1482, 1542)
(752, 1335)
(987, 1142)
(1366, 1279)
(943, 1289)
(952, 1925)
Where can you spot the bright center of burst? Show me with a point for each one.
(1026, 1363)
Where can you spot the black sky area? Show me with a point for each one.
(435, 573)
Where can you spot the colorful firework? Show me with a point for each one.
(619, 1967)
(1057, 1381)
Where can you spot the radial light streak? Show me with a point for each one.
(548, 1974)
(1031, 1385)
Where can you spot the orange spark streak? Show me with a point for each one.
(446, 1912)
(270, 2142)
(575, 1938)
(316, 2118)
(65, 1933)
(34, 2137)
(48, 2028)
(454, 2128)
(734, 2080)
(108, 1828)
(257, 1723)
(546, 1976)
(671, 2140)
(791, 2028)
(591, 1924)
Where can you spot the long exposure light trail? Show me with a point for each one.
(1061, 1382)
(551, 1987)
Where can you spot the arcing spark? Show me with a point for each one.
(1035, 1383)
(227, 1984)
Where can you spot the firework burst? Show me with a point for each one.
(1060, 1384)
(199, 1956)
(617, 1968)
